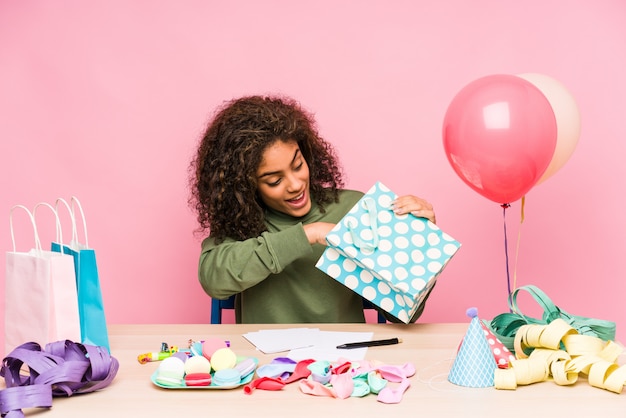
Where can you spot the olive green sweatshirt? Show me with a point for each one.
(274, 275)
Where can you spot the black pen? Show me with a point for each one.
(374, 343)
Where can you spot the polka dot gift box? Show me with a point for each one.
(391, 260)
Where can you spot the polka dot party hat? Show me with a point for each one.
(474, 365)
(501, 354)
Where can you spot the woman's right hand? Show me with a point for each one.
(316, 232)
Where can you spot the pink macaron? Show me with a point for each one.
(198, 379)
(211, 345)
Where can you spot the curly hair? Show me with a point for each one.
(223, 178)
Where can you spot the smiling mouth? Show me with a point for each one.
(296, 199)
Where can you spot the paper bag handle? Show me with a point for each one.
(59, 231)
(32, 221)
(71, 209)
(370, 207)
(74, 201)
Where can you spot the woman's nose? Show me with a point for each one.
(294, 183)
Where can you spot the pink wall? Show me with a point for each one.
(105, 100)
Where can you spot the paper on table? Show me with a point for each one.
(325, 347)
(272, 341)
(305, 343)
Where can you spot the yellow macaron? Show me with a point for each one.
(223, 358)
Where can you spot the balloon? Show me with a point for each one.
(499, 134)
(567, 119)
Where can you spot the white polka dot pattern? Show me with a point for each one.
(391, 260)
(501, 354)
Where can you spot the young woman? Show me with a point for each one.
(268, 189)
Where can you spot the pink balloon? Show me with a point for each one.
(499, 134)
(567, 120)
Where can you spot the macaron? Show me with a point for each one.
(197, 364)
(223, 358)
(245, 367)
(171, 372)
(226, 377)
(198, 379)
(181, 355)
(211, 345)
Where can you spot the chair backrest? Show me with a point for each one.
(218, 305)
(369, 305)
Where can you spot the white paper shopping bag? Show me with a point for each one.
(41, 302)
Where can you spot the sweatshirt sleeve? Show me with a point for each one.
(233, 266)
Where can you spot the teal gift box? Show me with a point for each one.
(391, 260)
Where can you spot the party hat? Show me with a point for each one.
(501, 354)
(474, 365)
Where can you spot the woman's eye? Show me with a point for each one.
(298, 167)
(274, 183)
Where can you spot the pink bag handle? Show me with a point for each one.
(32, 221)
(59, 230)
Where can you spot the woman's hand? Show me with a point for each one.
(414, 205)
(316, 232)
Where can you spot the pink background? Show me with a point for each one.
(106, 100)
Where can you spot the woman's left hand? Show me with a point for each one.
(414, 205)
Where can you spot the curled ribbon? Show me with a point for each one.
(558, 350)
(34, 375)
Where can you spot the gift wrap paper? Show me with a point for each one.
(391, 260)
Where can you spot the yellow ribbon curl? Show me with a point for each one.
(557, 350)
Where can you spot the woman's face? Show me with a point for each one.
(283, 179)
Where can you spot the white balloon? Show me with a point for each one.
(567, 118)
